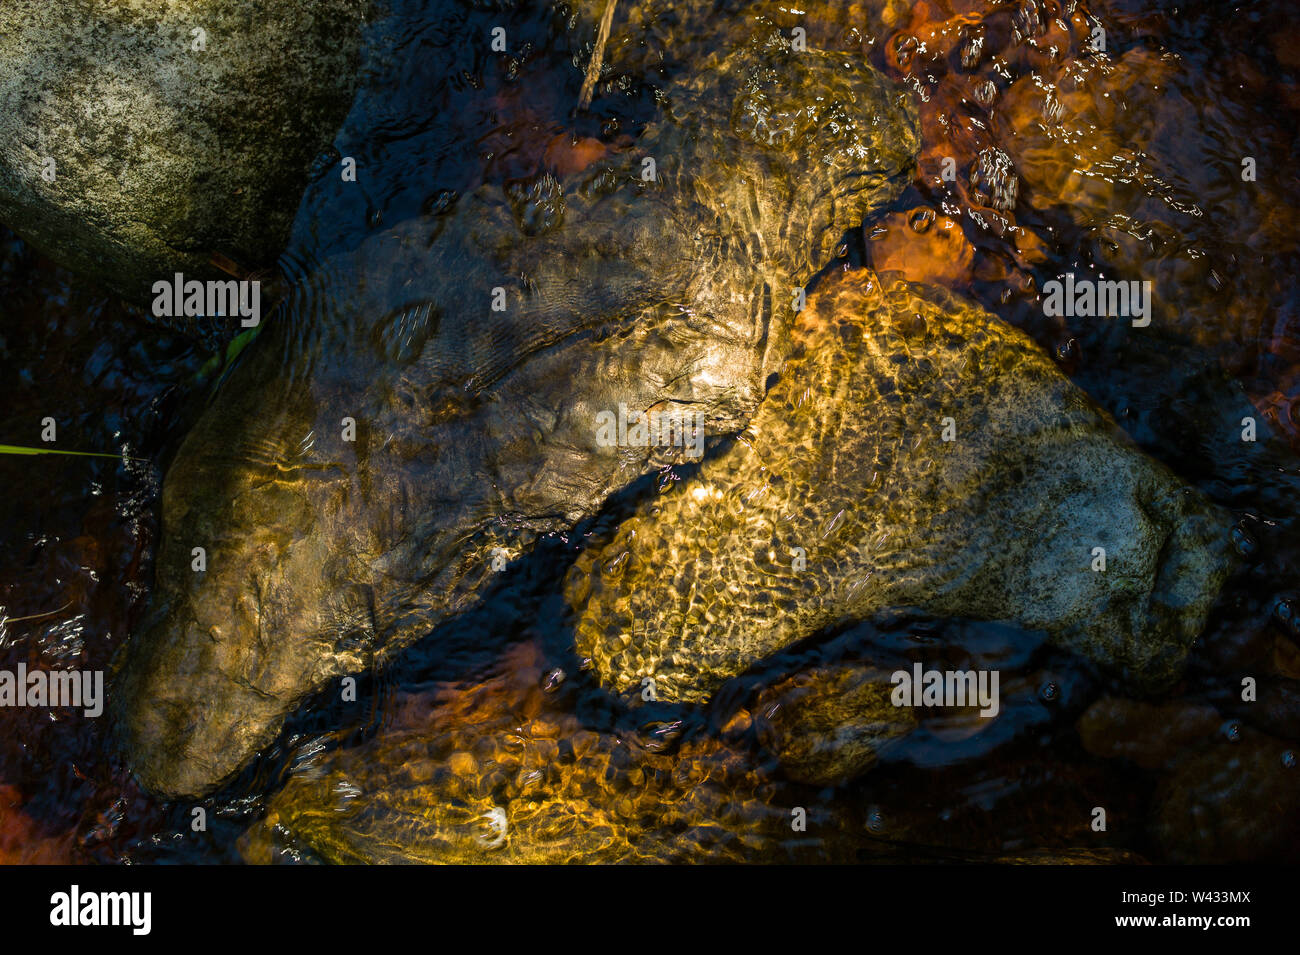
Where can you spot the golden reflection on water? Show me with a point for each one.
(1126, 163)
(1126, 147)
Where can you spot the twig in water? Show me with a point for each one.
(597, 56)
(35, 616)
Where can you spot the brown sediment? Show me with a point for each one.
(923, 247)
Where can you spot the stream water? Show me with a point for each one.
(1124, 164)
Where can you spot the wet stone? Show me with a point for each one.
(145, 132)
(959, 503)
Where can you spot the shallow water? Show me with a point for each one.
(1130, 169)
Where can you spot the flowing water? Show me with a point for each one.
(1041, 155)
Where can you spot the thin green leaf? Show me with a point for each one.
(19, 449)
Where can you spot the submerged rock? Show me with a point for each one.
(663, 278)
(1148, 734)
(405, 799)
(918, 453)
(500, 771)
(1072, 857)
(486, 774)
(1232, 802)
(828, 725)
(139, 140)
(1228, 793)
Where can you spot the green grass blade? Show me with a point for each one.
(19, 449)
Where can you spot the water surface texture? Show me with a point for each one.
(484, 636)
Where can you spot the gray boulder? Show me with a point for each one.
(140, 140)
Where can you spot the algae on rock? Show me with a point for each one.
(138, 140)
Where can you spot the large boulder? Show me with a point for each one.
(474, 352)
(141, 139)
(919, 453)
